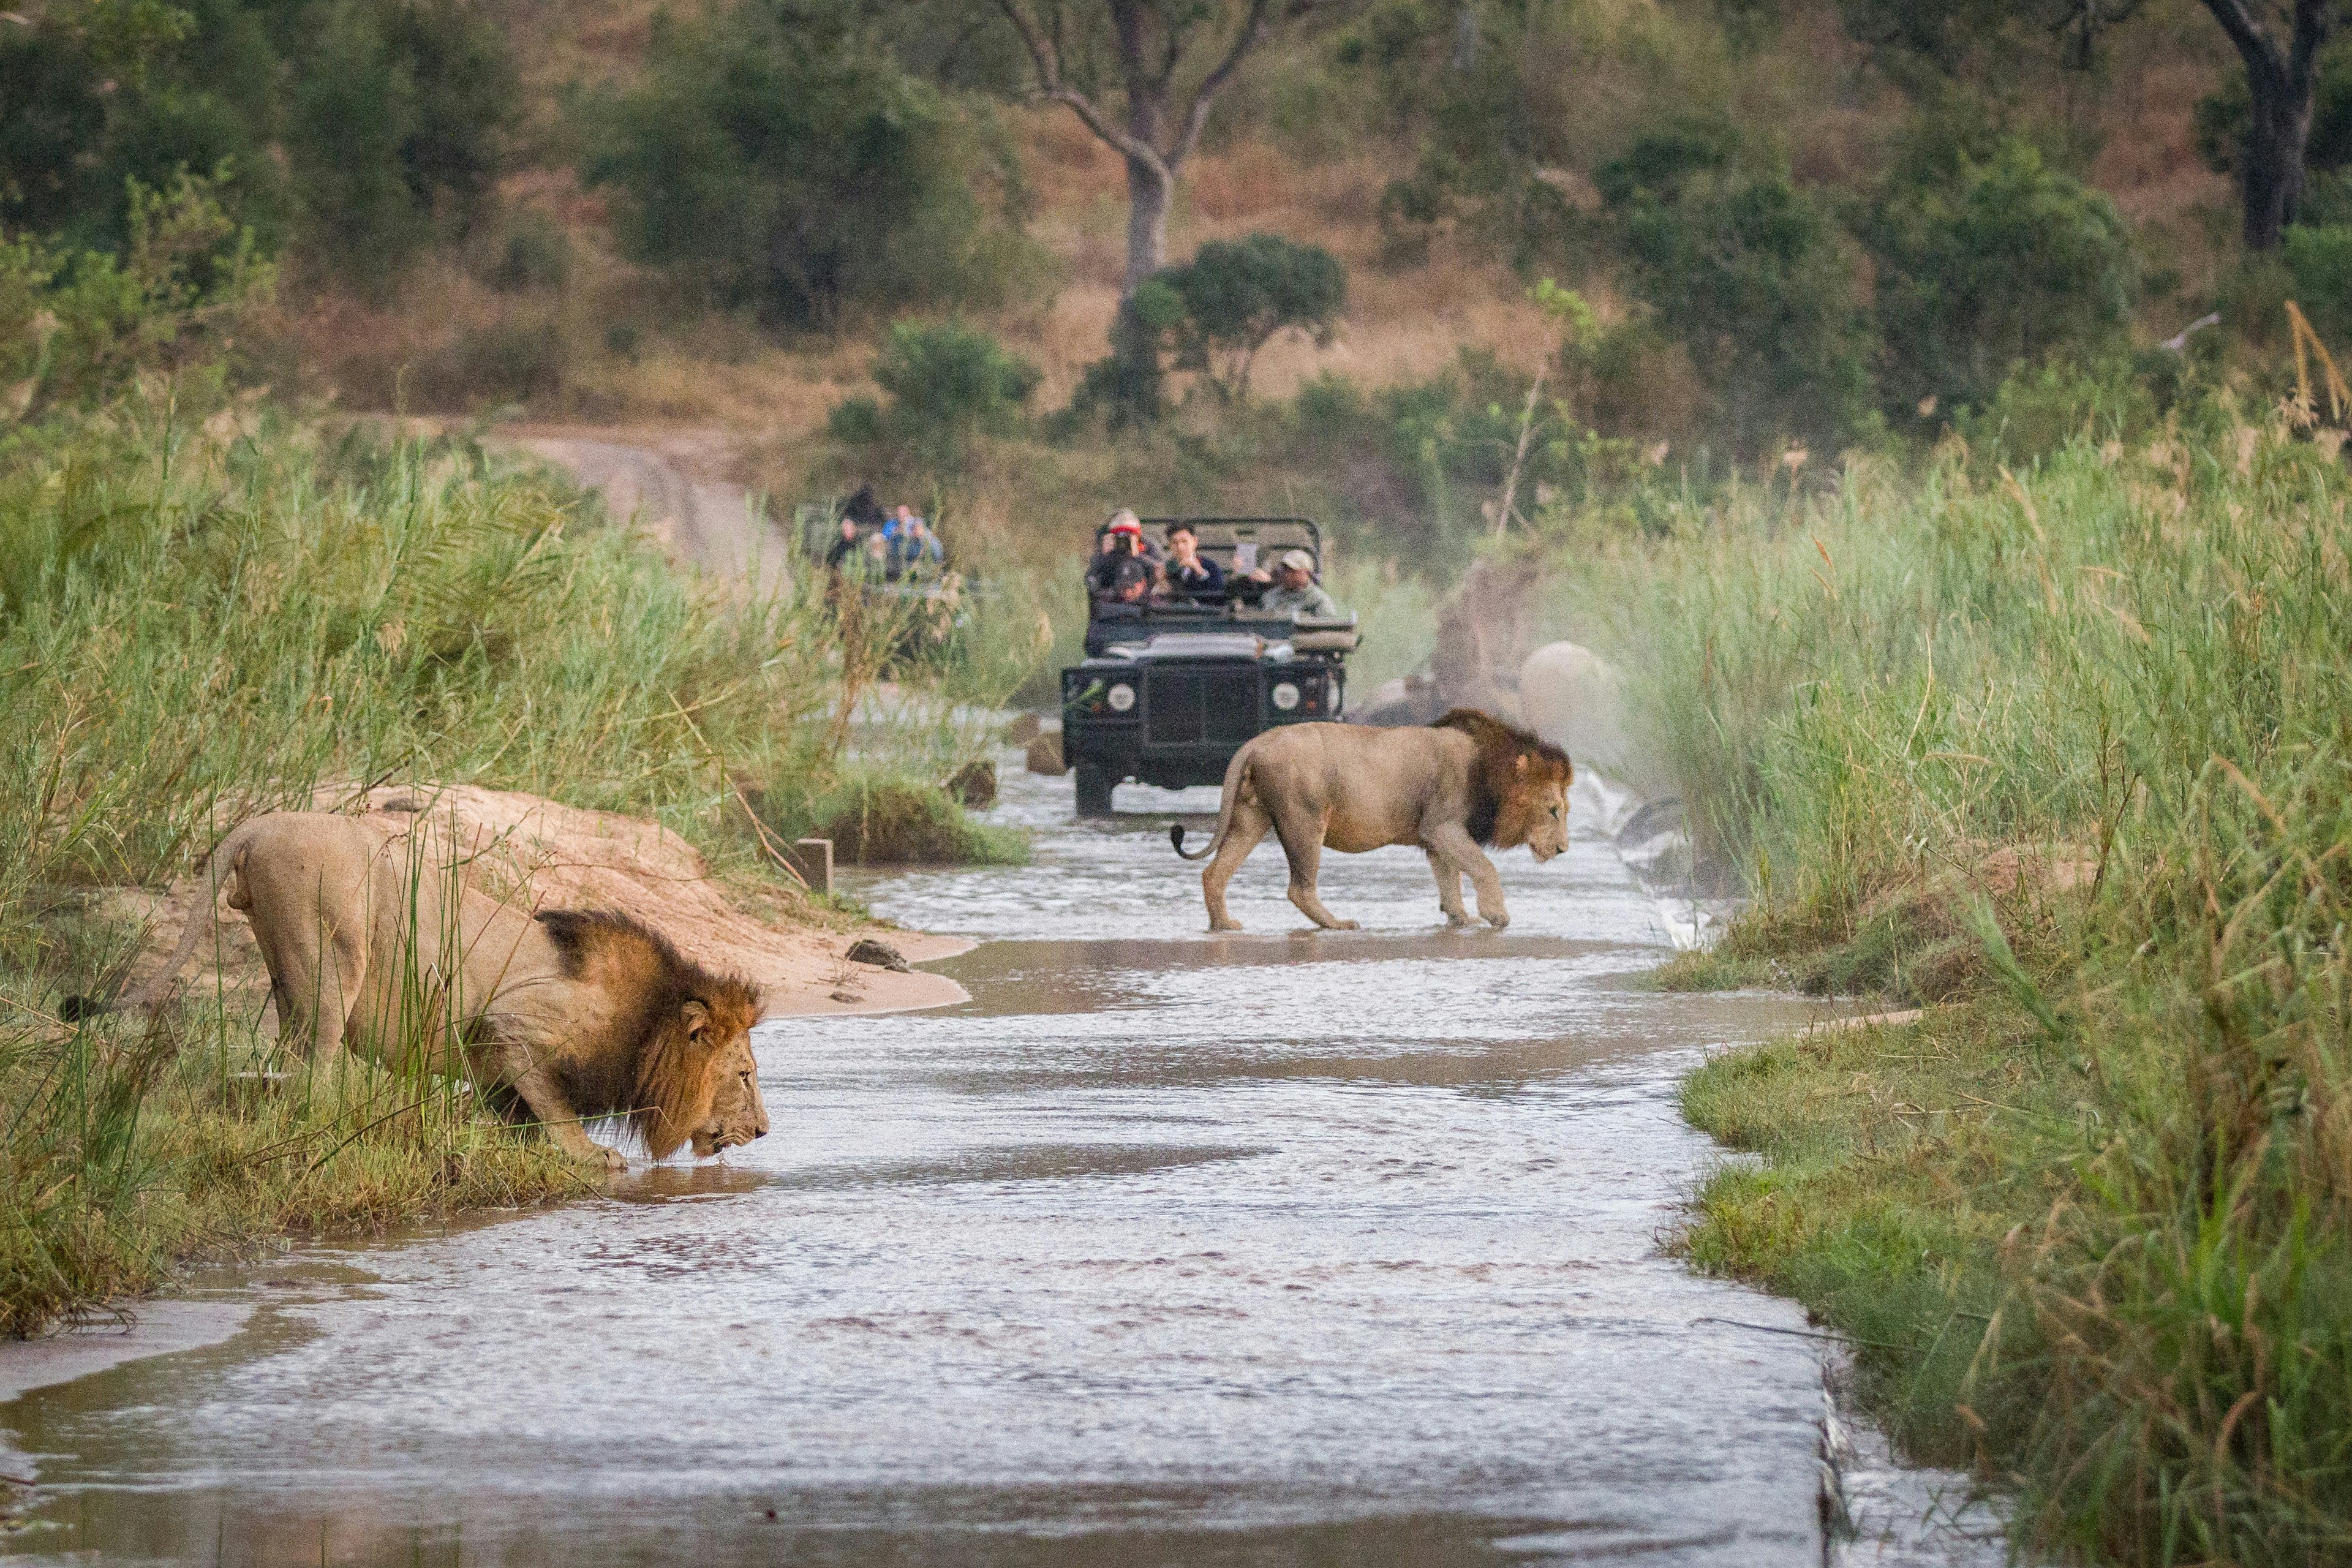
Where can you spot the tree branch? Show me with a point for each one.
(1046, 59)
(2310, 19)
(2247, 34)
(1196, 117)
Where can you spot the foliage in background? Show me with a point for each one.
(1750, 274)
(787, 167)
(947, 383)
(74, 328)
(359, 128)
(1238, 295)
(1984, 263)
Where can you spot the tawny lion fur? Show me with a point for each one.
(1465, 781)
(377, 944)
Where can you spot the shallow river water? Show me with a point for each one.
(1269, 1249)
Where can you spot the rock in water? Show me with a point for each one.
(1046, 756)
(880, 954)
(973, 784)
(1025, 728)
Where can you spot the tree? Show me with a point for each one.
(1989, 261)
(1238, 294)
(1150, 39)
(794, 171)
(1747, 269)
(2279, 83)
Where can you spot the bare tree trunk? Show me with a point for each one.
(1148, 191)
(2278, 85)
(2274, 159)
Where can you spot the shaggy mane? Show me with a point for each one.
(647, 1071)
(1497, 775)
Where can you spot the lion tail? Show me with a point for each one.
(225, 861)
(1237, 783)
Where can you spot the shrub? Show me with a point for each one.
(1237, 295)
(948, 384)
(398, 118)
(1128, 387)
(786, 168)
(1993, 262)
(1748, 273)
(2319, 260)
(879, 818)
(75, 328)
(361, 128)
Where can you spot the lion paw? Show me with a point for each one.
(1347, 925)
(1224, 925)
(1498, 921)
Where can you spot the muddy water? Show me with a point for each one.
(1276, 1248)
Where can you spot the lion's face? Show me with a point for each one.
(737, 1114)
(1535, 809)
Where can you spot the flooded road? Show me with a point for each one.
(1277, 1249)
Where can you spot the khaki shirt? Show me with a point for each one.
(1310, 601)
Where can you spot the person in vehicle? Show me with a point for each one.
(1296, 592)
(1191, 574)
(914, 548)
(1122, 544)
(844, 548)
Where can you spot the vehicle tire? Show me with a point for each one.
(1094, 789)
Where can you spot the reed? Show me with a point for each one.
(2064, 750)
(200, 621)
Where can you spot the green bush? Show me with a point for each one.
(785, 167)
(1986, 263)
(948, 384)
(1237, 295)
(1751, 275)
(2319, 261)
(361, 129)
(878, 818)
(74, 328)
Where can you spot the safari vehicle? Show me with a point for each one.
(1169, 693)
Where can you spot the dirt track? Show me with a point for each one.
(716, 524)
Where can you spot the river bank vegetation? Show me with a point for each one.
(212, 604)
(2057, 750)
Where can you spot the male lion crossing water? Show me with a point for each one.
(1467, 780)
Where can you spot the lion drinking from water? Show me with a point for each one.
(1465, 781)
(377, 942)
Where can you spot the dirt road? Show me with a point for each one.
(662, 481)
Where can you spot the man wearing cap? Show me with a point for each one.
(1296, 592)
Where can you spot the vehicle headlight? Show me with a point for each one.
(1120, 697)
(1286, 695)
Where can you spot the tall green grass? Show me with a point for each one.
(2067, 748)
(199, 621)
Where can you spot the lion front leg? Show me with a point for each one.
(519, 1067)
(1449, 888)
(1453, 841)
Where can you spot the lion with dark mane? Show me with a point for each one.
(1469, 780)
(377, 942)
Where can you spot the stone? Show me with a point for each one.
(880, 954)
(1046, 755)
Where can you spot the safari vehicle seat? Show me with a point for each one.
(1326, 634)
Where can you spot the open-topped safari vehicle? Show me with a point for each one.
(1174, 684)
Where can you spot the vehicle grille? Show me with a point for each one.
(1198, 708)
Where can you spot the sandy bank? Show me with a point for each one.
(545, 854)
